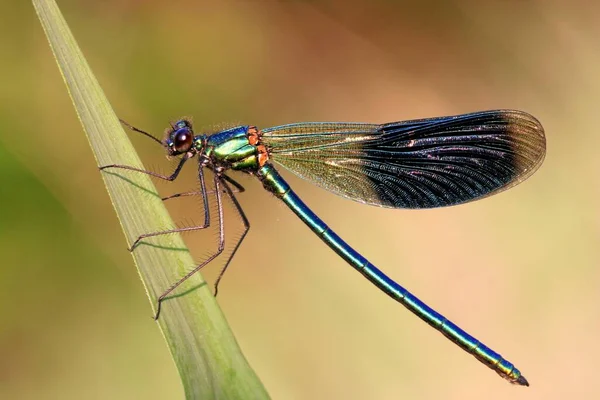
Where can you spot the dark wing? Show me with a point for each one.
(423, 163)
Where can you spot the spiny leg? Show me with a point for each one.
(205, 225)
(241, 213)
(184, 194)
(209, 259)
(170, 178)
(237, 189)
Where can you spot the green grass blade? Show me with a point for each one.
(205, 352)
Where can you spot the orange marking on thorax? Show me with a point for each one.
(253, 135)
(254, 139)
(263, 155)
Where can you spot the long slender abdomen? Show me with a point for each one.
(277, 185)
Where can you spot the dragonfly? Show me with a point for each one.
(415, 164)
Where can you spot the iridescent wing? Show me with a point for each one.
(423, 163)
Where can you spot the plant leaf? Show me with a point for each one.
(203, 347)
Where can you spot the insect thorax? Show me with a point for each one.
(237, 148)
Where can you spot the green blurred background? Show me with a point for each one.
(518, 270)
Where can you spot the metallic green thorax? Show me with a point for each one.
(232, 149)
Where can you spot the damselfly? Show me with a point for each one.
(423, 163)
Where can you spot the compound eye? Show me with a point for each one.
(182, 140)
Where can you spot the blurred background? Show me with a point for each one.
(518, 270)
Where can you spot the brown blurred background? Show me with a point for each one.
(518, 270)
